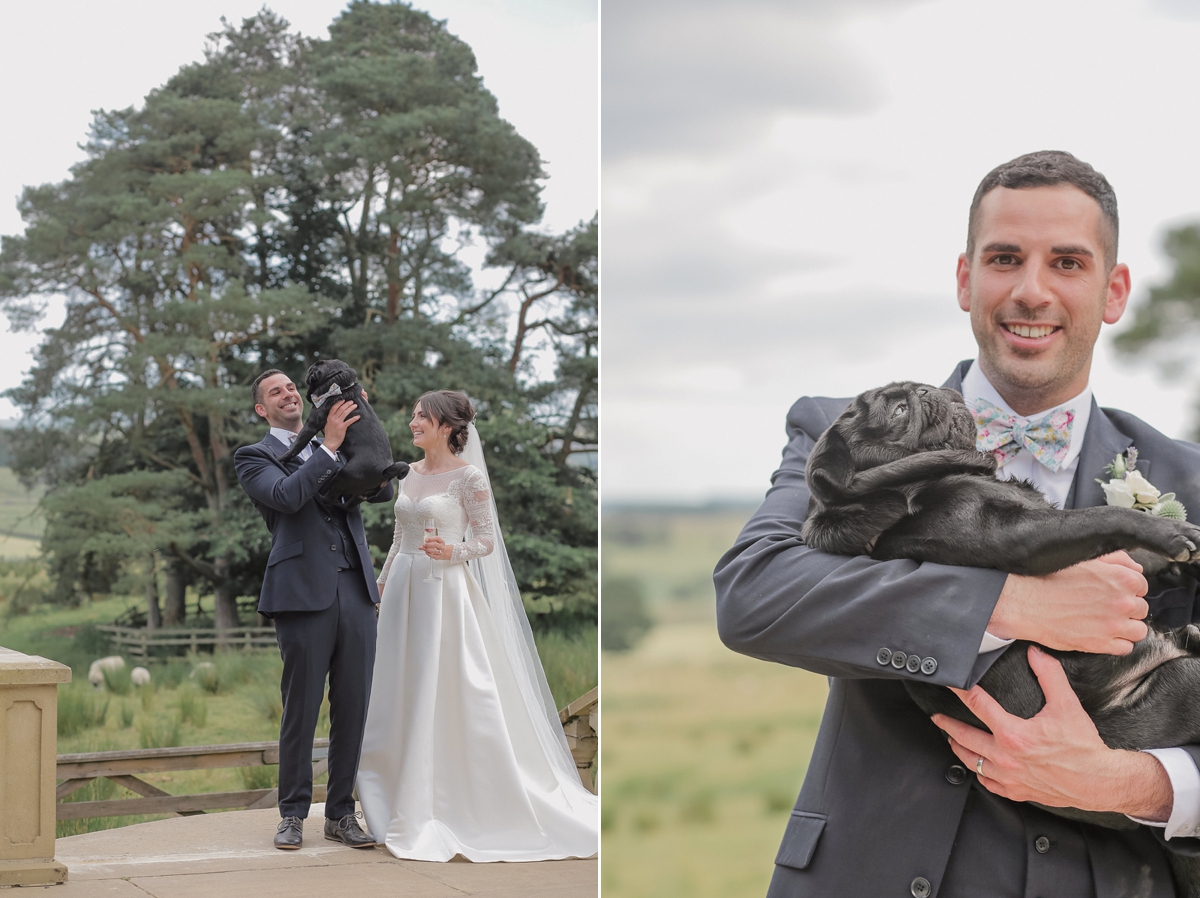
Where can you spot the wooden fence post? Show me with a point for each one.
(28, 756)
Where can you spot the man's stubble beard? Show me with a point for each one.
(1033, 379)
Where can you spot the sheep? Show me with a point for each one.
(140, 676)
(96, 671)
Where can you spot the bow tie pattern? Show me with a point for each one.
(1047, 438)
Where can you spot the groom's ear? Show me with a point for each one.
(830, 467)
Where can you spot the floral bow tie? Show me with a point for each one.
(1048, 438)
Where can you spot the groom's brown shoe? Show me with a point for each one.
(290, 833)
(348, 832)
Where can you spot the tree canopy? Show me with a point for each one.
(1164, 326)
(284, 200)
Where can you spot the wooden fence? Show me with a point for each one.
(77, 770)
(580, 720)
(137, 641)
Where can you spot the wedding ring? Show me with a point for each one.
(979, 766)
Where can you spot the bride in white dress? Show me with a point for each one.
(463, 753)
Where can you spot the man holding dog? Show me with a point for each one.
(938, 807)
(319, 588)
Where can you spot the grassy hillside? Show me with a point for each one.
(703, 750)
(20, 523)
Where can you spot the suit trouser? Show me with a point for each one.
(338, 641)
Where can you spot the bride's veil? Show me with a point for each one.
(495, 576)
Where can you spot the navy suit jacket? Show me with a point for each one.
(301, 570)
(880, 805)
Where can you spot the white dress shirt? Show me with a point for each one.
(1055, 485)
(287, 438)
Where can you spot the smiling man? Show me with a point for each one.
(897, 804)
(319, 588)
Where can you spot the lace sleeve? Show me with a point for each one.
(387, 565)
(476, 501)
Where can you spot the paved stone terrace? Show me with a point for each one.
(230, 855)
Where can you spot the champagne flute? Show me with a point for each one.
(430, 530)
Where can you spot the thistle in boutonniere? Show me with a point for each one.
(1127, 488)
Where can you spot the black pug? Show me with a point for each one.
(366, 447)
(897, 475)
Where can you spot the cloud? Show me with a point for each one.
(1179, 9)
(706, 75)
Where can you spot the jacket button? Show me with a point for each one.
(920, 887)
(333, 548)
(884, 656)
(1042, 844)
(928, 666)
(956, 774)
(899, 659)
(914, 663)
(329, 519)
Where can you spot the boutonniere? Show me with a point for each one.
(1127, 488)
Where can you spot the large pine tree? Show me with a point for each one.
(285, 200)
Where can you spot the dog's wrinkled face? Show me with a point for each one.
(892, 422)
(324, 374)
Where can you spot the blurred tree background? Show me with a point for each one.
(289, 199)
(1165, 324)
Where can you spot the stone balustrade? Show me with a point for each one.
(28, 756)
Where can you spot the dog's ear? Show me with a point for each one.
(830, 467)
(313, 374)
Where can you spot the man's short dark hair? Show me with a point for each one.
(256, 387)
(1044, 169)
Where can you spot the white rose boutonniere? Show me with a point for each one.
(1128, 488)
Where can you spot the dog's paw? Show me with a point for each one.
(1184, 543)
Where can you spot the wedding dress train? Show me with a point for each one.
(457, 756)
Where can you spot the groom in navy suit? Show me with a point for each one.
(895, 803)
(319, 588)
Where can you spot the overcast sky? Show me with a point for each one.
(61, 59)
(785, 193)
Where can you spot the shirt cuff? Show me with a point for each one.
(990, 643)
(330, 452)
(1185, 784)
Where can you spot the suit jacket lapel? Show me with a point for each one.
(955, 380)
(1102, 443)
(277, 447)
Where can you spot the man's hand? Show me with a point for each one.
(1056, 758)
(337, 422)
(1095, 606)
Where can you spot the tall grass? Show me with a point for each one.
(268, 701)
(118, 680)
(207, 677)
(265, 777)
(235, 668)
(160, 731)
(193, 706)
(171, 674)
(80, 708)
(571, 662)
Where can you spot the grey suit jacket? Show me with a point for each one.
(884, 796)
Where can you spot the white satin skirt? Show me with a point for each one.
(451, 764)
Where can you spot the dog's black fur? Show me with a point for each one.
(897, 476)
(366, 447)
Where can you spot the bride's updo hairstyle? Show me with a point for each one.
(453, 408)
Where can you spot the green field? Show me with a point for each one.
(703, 750)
